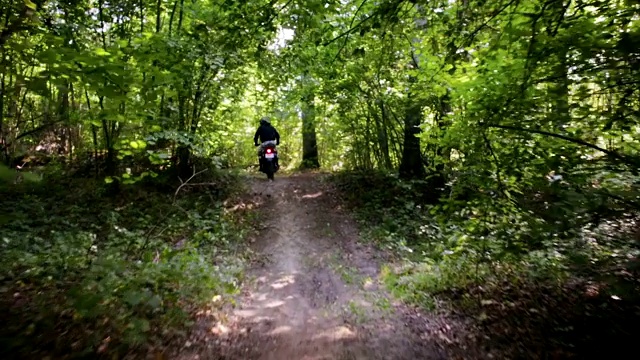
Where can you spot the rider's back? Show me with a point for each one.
(267, 132)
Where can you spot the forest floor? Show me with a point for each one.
(314, 291)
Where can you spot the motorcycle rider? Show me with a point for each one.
(267, 135)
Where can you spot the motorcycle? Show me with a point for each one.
(269, 160)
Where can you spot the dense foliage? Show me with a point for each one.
(83, 272)
(512, 126)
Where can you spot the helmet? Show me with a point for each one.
(264, 121)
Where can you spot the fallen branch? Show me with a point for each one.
(185, 183)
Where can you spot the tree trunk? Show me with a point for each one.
(171, 17)
(368, 141)
(181, 15)
(159, 16)
(411, 166)
(3, 143)
(141, 4)
(110, 160)
(309, 142)
(63, 116)
(560, 89)
(383, 137)
(437, 181)
(560, 92)
(183, 151)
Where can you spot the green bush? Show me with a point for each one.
(481, 241)
(111, 275)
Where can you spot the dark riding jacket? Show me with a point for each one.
(266, 132)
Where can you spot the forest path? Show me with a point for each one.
(316, 295)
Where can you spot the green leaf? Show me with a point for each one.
(144, 325)
(138, 144)
(6, 173)
(30, 5)
(30, 177)
(155, 302)
(101, 52)
(133, 298)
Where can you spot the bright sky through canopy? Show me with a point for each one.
(280, 41)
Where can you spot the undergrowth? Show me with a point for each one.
(502, 264)
(88, 274)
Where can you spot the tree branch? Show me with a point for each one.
(346, 39)
(185, 183)
(609, 153)
(351, 30)
(16, 26)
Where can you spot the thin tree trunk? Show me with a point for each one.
(102, 32)
(180, 17)
(183, 151)
(383, 138)
(560, 92)
(107, 132)
(3, 141)
(171, 17)
(309, 142)
(368, 149)
(63, 115)
(437, 181)
(411, 166)
(73, 127)
(141, 4)
(158, 16)
(94, 134)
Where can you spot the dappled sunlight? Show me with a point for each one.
(269, 298)
(261, 296)
(246, 313)
(282, 282)
(368, 284)
(280, 330)
(262, 279)
(220, 329)
(336, 333)
(312, 196)
(274, 304)
(243, 206)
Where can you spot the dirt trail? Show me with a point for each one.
(316, 295)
